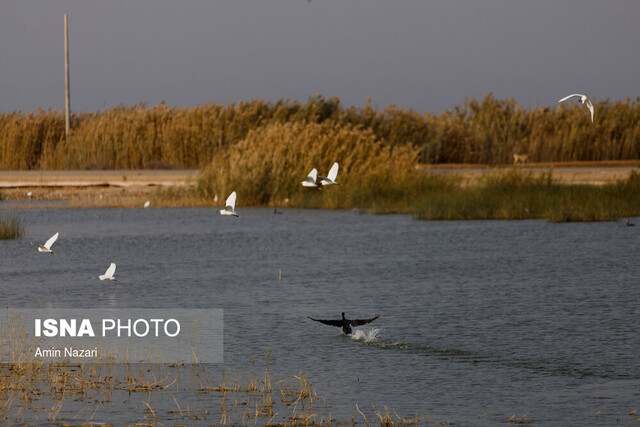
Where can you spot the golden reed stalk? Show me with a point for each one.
(489, 131)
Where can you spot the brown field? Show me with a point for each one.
(131, 188)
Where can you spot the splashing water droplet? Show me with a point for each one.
(366, 335)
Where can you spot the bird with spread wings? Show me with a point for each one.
(345, 323)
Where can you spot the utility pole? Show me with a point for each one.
(67, 96)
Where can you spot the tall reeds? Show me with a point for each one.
(268, 165)
(488, 131)
(11, 227)
(516, 195)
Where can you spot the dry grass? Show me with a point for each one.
(489, 131)
(499, 194)
(11, 227)
(266, 168)
(33, 392)
(517, 195)
(263, 150)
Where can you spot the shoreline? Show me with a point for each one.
(567, 173)
(25, 189)
(594, 173)
(95, 178)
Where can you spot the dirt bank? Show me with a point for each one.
(131, 188)
(591, 173)
(101, 188)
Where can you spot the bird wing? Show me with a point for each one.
(231, 200)
(333, 172)
(328, 322)
(570, 96)
(111, 270)
(590, 107)
(313, 175)
(51, 241)
(358, 322)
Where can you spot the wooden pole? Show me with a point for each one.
(67, 96)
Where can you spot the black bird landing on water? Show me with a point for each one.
(345, 323)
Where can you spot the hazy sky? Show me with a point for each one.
(426, 55)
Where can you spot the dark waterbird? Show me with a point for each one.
(345, 323)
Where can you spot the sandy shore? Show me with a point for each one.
(130, 188)
(591, 173)
(95, 188)
(95, 178)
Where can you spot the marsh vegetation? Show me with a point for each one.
(263, 150)
(33, 391)
(11, 227)
(487, 131)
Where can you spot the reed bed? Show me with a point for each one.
(515, 195)
(262, 150)
(265, 168)
(487, 131)
(11, 227)
(109, 393)
(505, 194)
(157, 394)
(33, 391)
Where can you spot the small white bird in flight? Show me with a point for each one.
(47, 246)
(330, 179)
(583, 100)
(230, 206)
(108, 275)
(147, 203)
(311, 179)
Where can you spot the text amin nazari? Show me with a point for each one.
(68, 352)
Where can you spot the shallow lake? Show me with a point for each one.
(479, 320)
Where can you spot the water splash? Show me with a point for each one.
(366, 335)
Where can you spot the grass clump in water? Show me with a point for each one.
(11, 227)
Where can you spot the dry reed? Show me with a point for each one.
(267, 167)
(489, 131)
(517, 195)
(11, 227)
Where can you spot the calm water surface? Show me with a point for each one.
(479, 317)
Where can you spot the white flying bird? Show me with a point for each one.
(108, 275)
(311, 179)
(47, 246)
(583, 100)
(330, 179)
(230, 206)
(147, 203)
